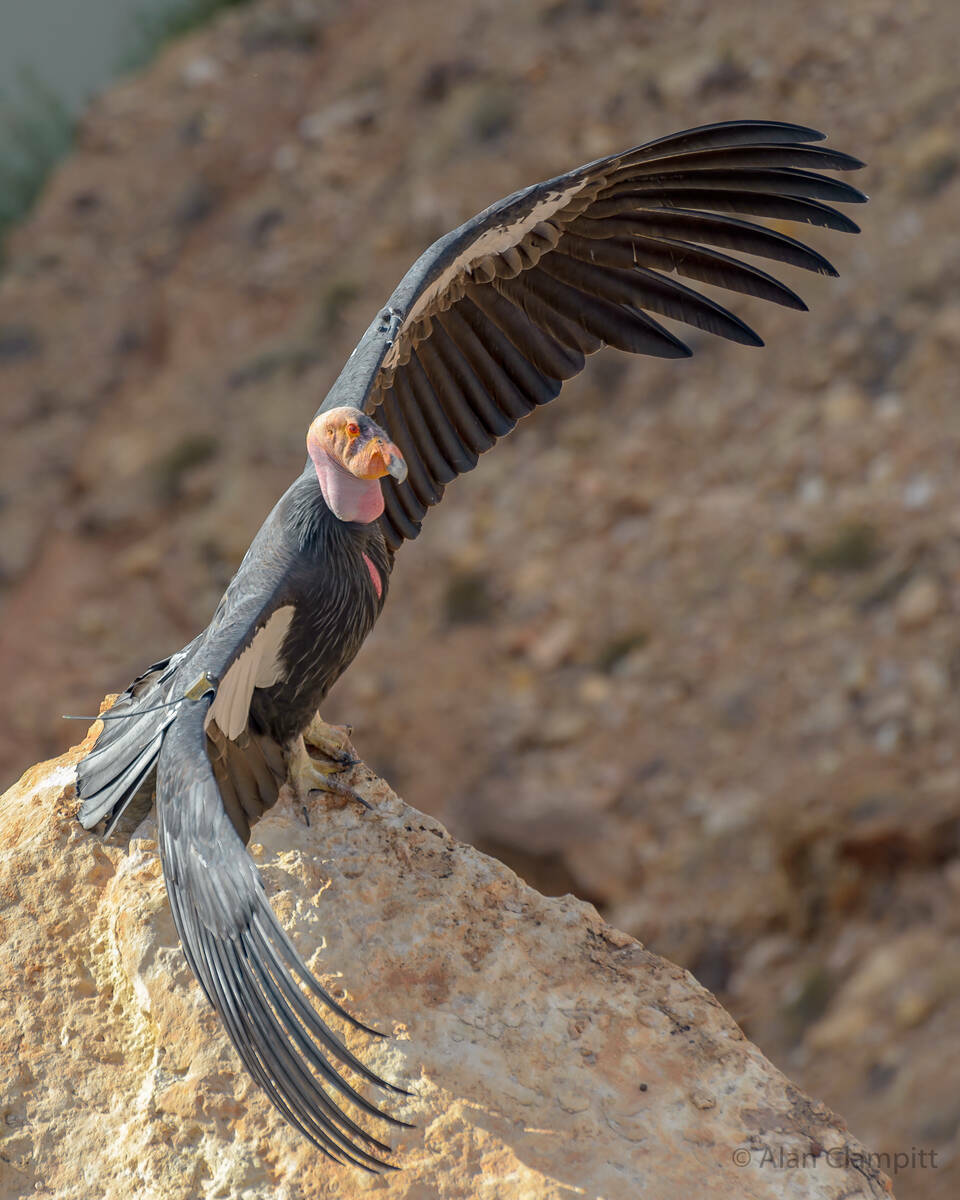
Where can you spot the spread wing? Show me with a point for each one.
(243, 959)
(492, 318)
(246, 964)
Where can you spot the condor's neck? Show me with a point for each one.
(312, 524)
(347, 497)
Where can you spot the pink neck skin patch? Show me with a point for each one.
(347, 497)
(374, 575)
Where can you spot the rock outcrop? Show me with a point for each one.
(548, 1054)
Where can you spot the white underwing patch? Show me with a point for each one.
(259, 665)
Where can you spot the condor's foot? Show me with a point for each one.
(310, 772)
(332, 741)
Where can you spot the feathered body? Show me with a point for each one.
(335, 603)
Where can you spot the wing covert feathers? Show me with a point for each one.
(246, 964)
(494, 316)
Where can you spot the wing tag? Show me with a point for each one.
(200, 687)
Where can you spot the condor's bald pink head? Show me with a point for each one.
(351, 454)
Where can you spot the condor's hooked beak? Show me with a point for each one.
(376, 457)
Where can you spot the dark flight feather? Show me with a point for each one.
(646, 289)
(422, 491)
(685, 258)
(757, 204)
(613, 218)
(720, 135)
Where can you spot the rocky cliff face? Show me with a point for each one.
(548, 1054)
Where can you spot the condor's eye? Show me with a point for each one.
(353, 429)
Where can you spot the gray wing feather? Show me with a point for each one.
(245, 962)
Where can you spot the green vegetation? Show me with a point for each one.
(851, 547)
(615, 651)
(337, 297)
(492, 113)
(191, 451)
(810, 1000)
(154, 29)
(467, 600)
(36, 130)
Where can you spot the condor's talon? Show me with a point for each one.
(309, 774)
(321, 781)
(332, 741)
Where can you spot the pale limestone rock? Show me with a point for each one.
(549, 1055)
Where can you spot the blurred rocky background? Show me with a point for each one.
(706, 679)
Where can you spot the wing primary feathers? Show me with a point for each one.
(613, 323)
(392, 538)
(757, 154)
(130, 782)
(257, 1044)
(753, 203)
(707, 266)
(309, 1051)
(264, 920)
(99, 766)
(263, 952)
(403, 497)
(272, 1042)
(562, 326)
(412, 509)
(260, 1059)
(393, 507)
(461, 323)
(239, 1034)
(619, 218)
(647, 289)
(102, 776)
(126, 751)
(722, 134)
(784, 181)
